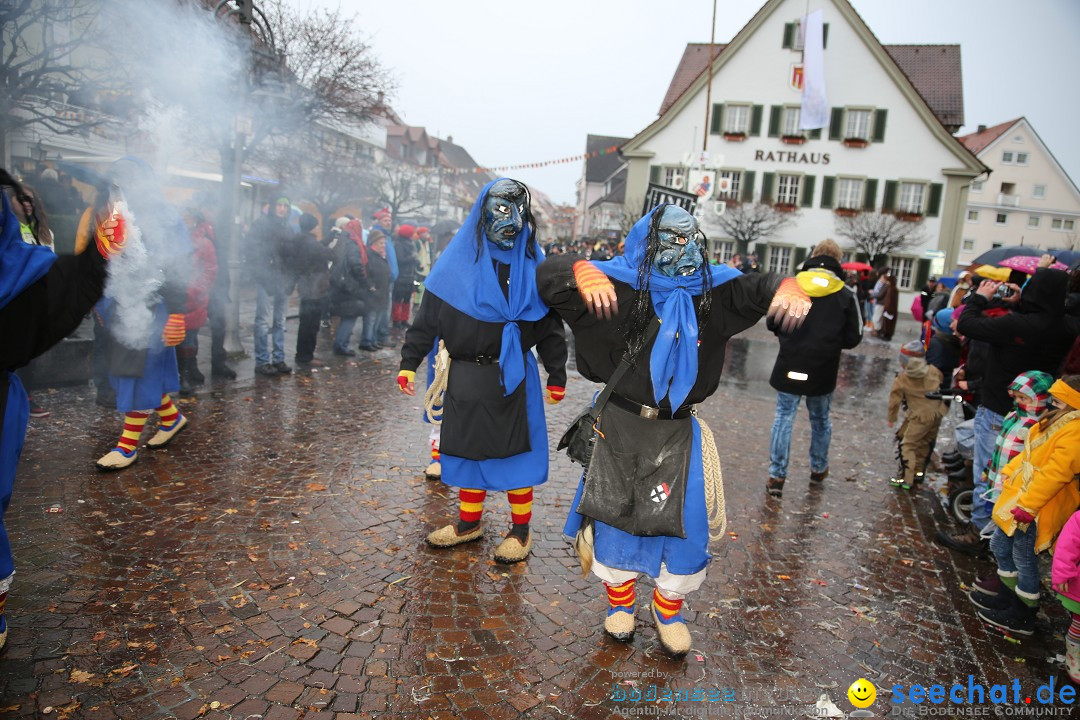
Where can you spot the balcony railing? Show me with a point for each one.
(1009, 200)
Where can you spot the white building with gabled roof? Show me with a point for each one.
(1028, 199)
(888, 147)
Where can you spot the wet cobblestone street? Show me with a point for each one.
(271, 564)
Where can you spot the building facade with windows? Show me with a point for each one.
(1028, 198)
(887, 147)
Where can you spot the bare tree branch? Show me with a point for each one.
(748, 223)
(879, 234)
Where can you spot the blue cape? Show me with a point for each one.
(674, 358)
(470, 285)
(21, 264)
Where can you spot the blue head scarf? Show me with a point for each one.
(21, 264)
(674, 358)
(469, 284)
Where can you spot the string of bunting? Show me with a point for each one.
(530, 166)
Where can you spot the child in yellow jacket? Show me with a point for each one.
(1039, 494)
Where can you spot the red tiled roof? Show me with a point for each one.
(934, 71)
(976, 142)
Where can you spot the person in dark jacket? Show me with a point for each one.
(808, 363)
(312, 269)
(348, 283)
(378, 288)
(1036, 335)
(268, 259)
(43, 298)
(405, 250)
(945, 347)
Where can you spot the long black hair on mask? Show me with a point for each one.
(526, 216)
(36, 221)
(641, 310)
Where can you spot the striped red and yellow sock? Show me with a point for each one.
(472, 505)
(168, 413)
(1074, 628)
(621, 597)
(520, 505)
(434, 452)
(666, 609)
(134, 422)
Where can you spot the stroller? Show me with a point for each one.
(959, 461)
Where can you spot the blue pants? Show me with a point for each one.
(269, 321)
(820, 432)
(344, 333)
(371, 320)
(15, 418)
(1016, 558)
(987, 427)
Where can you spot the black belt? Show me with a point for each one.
(478, 359)
(649, 412)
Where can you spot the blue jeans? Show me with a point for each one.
(269, 324)
(371, 320)
(1016, 558)
(987, 427)
(344, 333)
(820, 432)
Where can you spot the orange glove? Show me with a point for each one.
(406, 380)
(110, 236)
(789, 305)
(596, 290)
(173, 334)
(553, 394)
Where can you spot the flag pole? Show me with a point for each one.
(708, 84)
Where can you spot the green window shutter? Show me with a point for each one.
(862, 257)
(654, 174)
(761, 249)
(922, 272)
(767, 180)
(870, 195)
(789, 35)
(888, 203)
(774, 120)
(807, 191)
(715, 125)
(879, 125)
(933, 207)
(800, 258)
(825, 36)
(828, 187)
(836, 123)
(815, 134)
(748, 186)
(755, 119)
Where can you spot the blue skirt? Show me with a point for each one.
(623, 551)
(517, 471)
(160, 374)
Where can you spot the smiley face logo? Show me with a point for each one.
(862, 693)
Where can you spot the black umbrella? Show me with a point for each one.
(1068, 257)
(993, 257)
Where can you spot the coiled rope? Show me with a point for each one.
(433, 398)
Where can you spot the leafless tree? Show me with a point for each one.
(747, 223)
(405, 188)
(879, 234)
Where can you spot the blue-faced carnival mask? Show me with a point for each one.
(504, 213)
(680, 243)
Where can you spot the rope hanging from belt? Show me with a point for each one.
(433, 398)
(715, 507)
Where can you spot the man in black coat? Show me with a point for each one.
(808, 363)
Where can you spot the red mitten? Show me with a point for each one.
(174, 331)
(553, 394)
(596, 289)
(789, 305)
(406, 380)
(110, 236)
(1022, 516)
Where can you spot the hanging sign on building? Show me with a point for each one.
(795, 77)
(658, 194)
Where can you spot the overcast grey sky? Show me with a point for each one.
(525, 82)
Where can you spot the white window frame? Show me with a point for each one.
(724, 249)
(674, 177)
(999, 221)
(736, 177)
(974, 213)
(977, 186)
(1022, 158)
(911, 191)
(849, 192)
(1038, 192)
(903, 269)
(1059, 224)
(967, 245)
(730, 126)
(1007, 157)
(1034, 221)
(780, 254)
(789, 121)
(785, 193)
(853, 133)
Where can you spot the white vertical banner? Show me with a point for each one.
(815, 106)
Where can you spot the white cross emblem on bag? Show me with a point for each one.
(659, 493)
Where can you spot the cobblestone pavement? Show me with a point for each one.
(271, 564)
